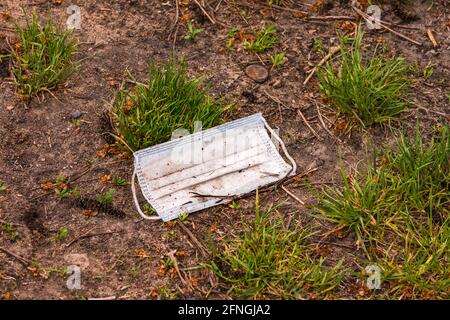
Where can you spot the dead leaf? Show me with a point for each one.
(140, 253)
(181, 253)
(172, 272)
(106, 178)
(318, 6)
(322, 251)
(265, 12)
(6, 16)
(89, 213)
(48, 186)
(346, 26)
(194, 281)
(300, 14)
(185, 17)
(246, 37)
(153, 293)
(162, 270)
(6, 296)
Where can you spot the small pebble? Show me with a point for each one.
(257, 73)
(75, 115)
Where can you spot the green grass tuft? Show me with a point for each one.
(107, 197)
(42, 58)
(148, 114)
(399, 210)
(264, 40)
(269, 261)
(372, 90)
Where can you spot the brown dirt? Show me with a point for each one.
(37, 141)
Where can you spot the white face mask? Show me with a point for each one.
(210, 167)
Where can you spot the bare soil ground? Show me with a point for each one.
(122, 256)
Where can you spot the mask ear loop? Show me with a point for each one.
(136, 202)
(283, 146)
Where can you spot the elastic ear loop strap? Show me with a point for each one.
(272, 132)
(283, 146)
(136, 202)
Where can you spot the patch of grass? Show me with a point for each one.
(149, 210)
(192, 32)
(318, 44)
(42, 58)
(78, 296)
(118, 181)
(371, 90)
(399, 209)
(107, 197)
(278, 59)
(2, 186)
(148, 114)
(231, 37)
(269, 261)
(183, 217)
(61, 186)
(62, 234)
(428, 70)
(10, 231)
(264, 40)
(167, 293)
(134, 272)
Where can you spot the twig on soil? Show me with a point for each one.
(432, 38)
(333, 51)
(22, 260)
(83, 172)
(290, 9)
(292, 195)
(177, 15)
(402, 27)
(327, 18)
(218, 6)
(366, 17)
(432, 111)
(202, 249)
(6, 277)
(314, 183)
(278, 101)
(289, 220)
(327, 234)
(205, 12)
(260, 59)
(105, 298)
(324, 125)
(89, 235)
(337, 244)
(123, 141)
(41, 196)
(308, 125)
(307, 172)
(171, 255)
(174, 29)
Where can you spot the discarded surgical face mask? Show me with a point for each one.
(210, 167)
